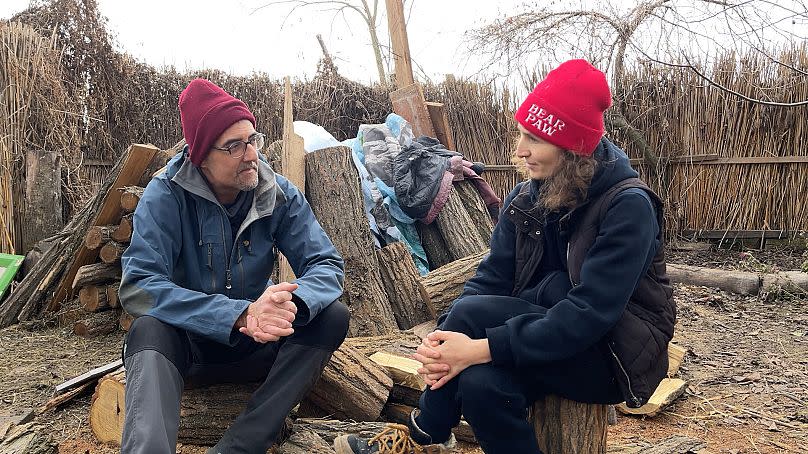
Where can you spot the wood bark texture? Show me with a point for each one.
(400, 279)
(331, 176)
(442, 286)
(566, 427)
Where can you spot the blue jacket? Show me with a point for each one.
(578, 317)
(176, 268)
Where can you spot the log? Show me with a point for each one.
(398, 343)
(123, 233)
(96, 325)
(130, 196)
(442, 286)
(94, 298)
(43, 197)
(96, 273)
(668, 390)
(125, 320)
(305, 442)
(732, 281)
(400, 279)
(402, 369)
(351, 387)
(329, 429)
(458, 230)
(789, 281)
(566, 427)
(158, 163)
(112, 294)
(205, 413)
(98, 235)
(475, 207)
(437, 253)
(674, 444)
(112, 252)
(332, 176)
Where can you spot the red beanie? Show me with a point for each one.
(566, 108)
(206, 111)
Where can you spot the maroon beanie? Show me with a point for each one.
(206, 111)
(566, 108)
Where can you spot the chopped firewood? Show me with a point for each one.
(675, 356)
(94, 298)
(442, 286)
(96, 324)
(130, 196)
(123, 233)
(400, 280)
(112, 252)
(98, 235)
(667, 391)
(96, 273)
(403, 370)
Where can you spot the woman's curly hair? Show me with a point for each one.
(568, 186)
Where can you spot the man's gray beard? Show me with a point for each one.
(247, 185)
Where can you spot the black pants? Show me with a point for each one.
(494, 400)
(161, 360)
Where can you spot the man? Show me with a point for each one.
(197, 277)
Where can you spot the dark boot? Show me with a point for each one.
(395, 439)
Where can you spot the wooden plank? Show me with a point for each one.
(675, 356)
(409, 103)
(137, 160)
(759, 160)
(401, 46)
(88, 376)
(440, 122)
(293, 166)
(403, 370)
(667, 391)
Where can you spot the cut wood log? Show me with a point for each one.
(98, 235)
(351, 387)
(305, 442)
(123, 233)
(125, 320)
(205, 413)
(669, 390)
(566, 427)
(400, 414)
(475, 206)
(676, 355)
(402, 369)
(440, 123)
(400, 279)
(458, 230)
(329, 429)
(96, 273)
(442, 286)
(94, 298)
(789, 281)
(112, 252)
(130, 196)
(96, 325)
(332, 176)
(732, 281)
(104, 212)
(112, 294)
(437, 252)
(399, 342)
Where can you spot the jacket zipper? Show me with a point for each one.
(228, 273)
(634, 398)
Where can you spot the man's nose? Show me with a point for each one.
(250, 154)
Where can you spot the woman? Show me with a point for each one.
(573, 299)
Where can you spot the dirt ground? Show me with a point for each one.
(746, 369)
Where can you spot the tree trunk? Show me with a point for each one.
(399, 342)
(331, 176)
(130, 197)
(732, 281)
(112, 252)
(329, 429)
(305, 442)
(96, 324)
(351, 387)
(205, 413)
(400, 279)
(566, 427)
(94, 298)
(98, 235)
(437, 252)
(96, 273)
(123, 234)
(442, 286)
(475, 207)
(43, 197)
(458, 230)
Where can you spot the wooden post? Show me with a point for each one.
(440, 122)
(43, 197)
(401, 45)
(409, 103)
(566, 427)
(293, 166)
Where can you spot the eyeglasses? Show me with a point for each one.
(237, 148)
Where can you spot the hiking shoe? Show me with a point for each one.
(394, 439)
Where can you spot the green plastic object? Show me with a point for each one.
(9, 265)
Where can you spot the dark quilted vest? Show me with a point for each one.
(638, 344)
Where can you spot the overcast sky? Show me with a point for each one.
(228, 35)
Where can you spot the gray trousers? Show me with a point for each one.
(161, 360)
